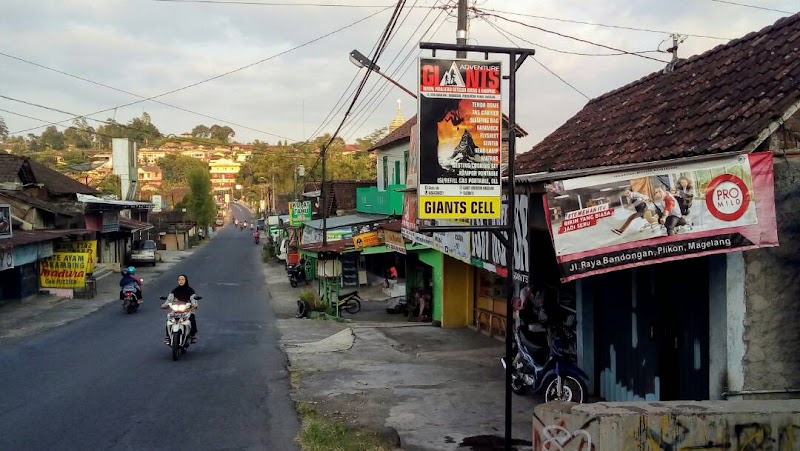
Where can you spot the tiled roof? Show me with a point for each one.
(715, 102)
(22, 237)
(402, 132)
(35, 202)
(58, 183)
(9, 167)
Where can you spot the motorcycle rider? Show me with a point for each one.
(256, 236)
(183, 293)
(129, 279)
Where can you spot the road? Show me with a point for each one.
(107, 381)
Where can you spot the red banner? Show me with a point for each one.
(608, 222)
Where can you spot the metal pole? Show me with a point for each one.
(323, 204)
(461, 30)
(407, 91)
(510, 220)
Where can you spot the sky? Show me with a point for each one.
(282, 92)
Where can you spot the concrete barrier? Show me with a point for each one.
(675, 425)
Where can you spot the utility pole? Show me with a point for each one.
(461, 31)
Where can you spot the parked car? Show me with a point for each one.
(144, 252)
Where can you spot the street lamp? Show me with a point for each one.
(300, 171)
(360, 61)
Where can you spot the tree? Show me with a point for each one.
(200, 131)
(34, 143)
(199, 201)
(371, 139)
(110, 184)
(3, 130)
(80, 134)
(176, 168)
(53, 138)
(140, 130)
(220, 133)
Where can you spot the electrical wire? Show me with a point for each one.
(597, 24)
(237, 2)
(33, 63)
(503, 33)
(763, 8)
(575, 39)
(238, 69)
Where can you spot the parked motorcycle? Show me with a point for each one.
(540, 364)
(349, 302)
(130, 301)
(179, 326)
(297, 274)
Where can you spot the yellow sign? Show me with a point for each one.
(64, 270)
(462, 208)
(394, 241)
(368, 239)
(83, 247)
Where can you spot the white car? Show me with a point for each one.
(144, 252)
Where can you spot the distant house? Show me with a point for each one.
(223, 174)
(150, 176)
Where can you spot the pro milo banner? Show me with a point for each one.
(84, 247)
(460, 126)
(64, 270)
(603, 223)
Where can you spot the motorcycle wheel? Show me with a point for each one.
(293, 282)
(572, 390)
(130, 309)
(517, 384)
(353, 306)
(176, 346)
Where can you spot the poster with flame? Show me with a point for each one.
(460, 126)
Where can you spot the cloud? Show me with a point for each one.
(151, 47)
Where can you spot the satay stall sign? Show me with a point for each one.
(460, 137)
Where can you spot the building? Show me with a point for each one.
(195, 153)
(150, 157)
(223, 174)
(150, 176)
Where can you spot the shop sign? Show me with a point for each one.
(489, 253)
(64, 270)
(394, 241)
(621, 220)
(299, 211)
(84, 247)
(460, 128)
(368, 239)
(110, 223)
(158, 203)
(454, 244)
(5, 221)
(413, 159)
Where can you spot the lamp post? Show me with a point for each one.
(260, 178)
(299, 171)
(361, 61)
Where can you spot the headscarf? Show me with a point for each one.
(183, 292)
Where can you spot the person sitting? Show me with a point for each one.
(639, 202)
(130, 282)
(668, 210)
(420, 310)
(183, 293)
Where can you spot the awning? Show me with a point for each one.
(121, 204)
(22, 237)
(375, 250)
(345, 221)
(134, 225)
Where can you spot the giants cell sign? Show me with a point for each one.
(460, 126)
(607, 222)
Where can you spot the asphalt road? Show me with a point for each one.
(107, 381)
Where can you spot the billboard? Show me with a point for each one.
(460, 126)
(5, 221)
(607, 222)
(299, 211)
(84, 247)
(64, 270)
(158, 203)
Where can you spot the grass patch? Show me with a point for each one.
(319, 433)
(295, 376)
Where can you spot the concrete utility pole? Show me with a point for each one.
(461, 31)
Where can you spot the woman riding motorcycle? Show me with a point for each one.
(183, 293)
(129, 279)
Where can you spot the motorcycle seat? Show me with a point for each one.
(347, 295)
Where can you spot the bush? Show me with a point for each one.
(310, 298)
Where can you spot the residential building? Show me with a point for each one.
(150, 156)
(150, 176)
(198, 154)
(223, 174)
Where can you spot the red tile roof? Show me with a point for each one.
(715, 102)
(22, 237)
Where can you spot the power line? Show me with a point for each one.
(597, 24)
(503, 33)
(575, 39)
(223, 74)
(236, 2)
(136, 95)
(764, 8)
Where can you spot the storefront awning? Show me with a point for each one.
(120, 204)
(134, 225)
(375, 250)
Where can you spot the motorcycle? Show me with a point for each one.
(256, 240)
(542, 365)
(349, 302)
(297, 274)
(179, 326)
(130, 302)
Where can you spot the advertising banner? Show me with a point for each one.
(5, 221)
(394, 241)
(607, 222)
(412, 176)
(368, 239)
(454, 244)
(460, 126)
(64, 270)
(158, 203)
(299, 211)
(110, 222)
(489, 253)
(83, 247)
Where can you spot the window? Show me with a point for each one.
(405, 167)
(396, 172)
(385, 171)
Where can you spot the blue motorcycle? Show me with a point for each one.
(540, 364)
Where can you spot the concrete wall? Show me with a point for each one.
(678, 425)
(772, 293)
(458, 293)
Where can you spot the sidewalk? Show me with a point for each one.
(428, 388)
(42, 312)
